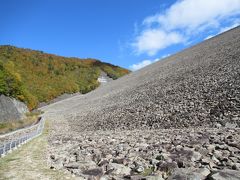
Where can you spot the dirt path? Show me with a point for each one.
(29, 162)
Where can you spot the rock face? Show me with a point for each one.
(11, 109)
(175, 119)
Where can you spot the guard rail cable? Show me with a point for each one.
(14, 140)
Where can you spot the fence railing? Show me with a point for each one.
(14, 139)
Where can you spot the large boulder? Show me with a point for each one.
(11, 109)
(189, 174)
(225, 175)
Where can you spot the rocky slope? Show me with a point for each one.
(175, 119)
(145, 154)
(196, 87)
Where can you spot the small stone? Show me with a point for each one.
(166, 166)
(103, 162)
(94, 172)
(196, 156)
(178, 148)
(72, 165)
(119, 169)
(180, 164)
(236, 166)
(204, 172)
(234, 144)
(52, 156)
(134, 177)
(210, 147)
(218, 125)
(215, 160)
(205, 161)
(154, 161)
(105, 177)
(153, 178)
(140, 169)
(230, 125)
(221, 147)
(218, 154)
(120, 161)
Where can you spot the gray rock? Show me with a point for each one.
(85, 165)
(72, 165)
(231, 125)
(118, 169)
(225, 175)
(139, 169)
(105, 177)
(11, 109)
(236, 166)
(189, 174)
(203, 171)
(58, 164)
(196, 156)
(154, 178)
(120, 161)
(93, 172)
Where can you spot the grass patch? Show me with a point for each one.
(31, 118)
(11, 159)
(30, 161)
(147, 172)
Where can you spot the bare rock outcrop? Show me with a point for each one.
(11, 109)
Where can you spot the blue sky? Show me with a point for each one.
(128, 33)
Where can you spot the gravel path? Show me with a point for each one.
(178, 117)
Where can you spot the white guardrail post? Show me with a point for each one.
(14, 142)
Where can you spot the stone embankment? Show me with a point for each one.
(172, 154)
(178, 118)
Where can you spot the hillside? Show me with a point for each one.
(178, 118)
(33, 76)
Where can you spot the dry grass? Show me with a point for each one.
(31, 118)
(29, 162)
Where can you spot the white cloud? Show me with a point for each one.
(166, 55)
(144, 63)
(192, 14)
(182, 20)
(140, 65)
(224, 29)
(152, 40)
(229, 27)
(209, 36)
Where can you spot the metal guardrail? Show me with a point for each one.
(15, 140)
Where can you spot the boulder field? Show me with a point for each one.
(177, 118)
